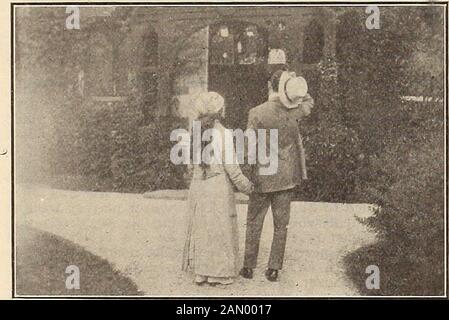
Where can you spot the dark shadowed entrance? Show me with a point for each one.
(238, 68)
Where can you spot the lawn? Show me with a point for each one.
(42, 259)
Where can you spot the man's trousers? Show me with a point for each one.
(257, 209)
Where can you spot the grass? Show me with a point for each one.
(398, 276)
(42, 259)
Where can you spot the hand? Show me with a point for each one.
(250, 189)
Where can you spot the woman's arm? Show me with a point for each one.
(238, 178)
(233, 169)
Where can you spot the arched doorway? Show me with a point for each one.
(237, 68)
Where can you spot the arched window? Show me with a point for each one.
(98, 66)
(145, 79)
(222, 51)
(313, 43)
(135, 62)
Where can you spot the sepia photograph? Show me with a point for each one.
(292, 150)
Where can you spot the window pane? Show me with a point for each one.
(250, 46)
(221, 46)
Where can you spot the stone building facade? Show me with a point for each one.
(105, 96)
(166, 54)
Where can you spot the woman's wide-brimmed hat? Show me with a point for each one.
(292, 89)
(208, 103)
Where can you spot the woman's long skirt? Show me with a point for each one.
(211, 247)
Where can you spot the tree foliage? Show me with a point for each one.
(402, 144)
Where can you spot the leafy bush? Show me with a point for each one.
(96, 140)
(401, 151)
(332, 159)
(332, 148)
(125, 146)
(157, 171)
(82, 147)
(410, 220)
(141, 157)
(104, 146)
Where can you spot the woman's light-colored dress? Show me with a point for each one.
(211, 247)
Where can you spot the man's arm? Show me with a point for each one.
(251, 153)
(306, 105)
(305, 108)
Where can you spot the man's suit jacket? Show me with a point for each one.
(291, 155)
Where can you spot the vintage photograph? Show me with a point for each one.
(229, 150)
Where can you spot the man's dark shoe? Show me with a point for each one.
(271, 275)
(246, 273)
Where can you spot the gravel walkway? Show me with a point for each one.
(143, 239)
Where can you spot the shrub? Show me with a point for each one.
(125, 145)
(141, 154)
(82, 147)
(96, 140)
(332, 148)
(401, 152)
(157, 171)
(104, 146)
(410, 219)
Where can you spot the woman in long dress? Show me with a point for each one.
(211, 246)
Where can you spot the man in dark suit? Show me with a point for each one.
(288, 102)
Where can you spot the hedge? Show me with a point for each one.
(105, 146)
(409, 189)
(401, 148)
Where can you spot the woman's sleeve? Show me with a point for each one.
(234, 172)
(238, 178)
